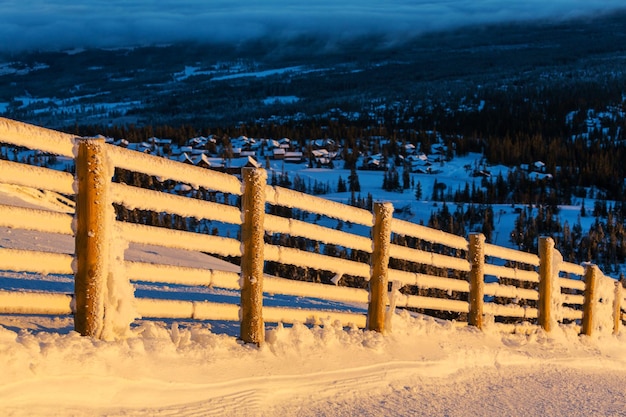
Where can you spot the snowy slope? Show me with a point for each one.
(420, 367)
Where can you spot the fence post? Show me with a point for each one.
(546, 278)
(591, 277)
(617, 306)
(381, 241)
(252, 232)
(477, 279)
(91, 267)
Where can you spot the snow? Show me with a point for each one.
(280, 100)
(319, 366)
(422, 232)
(293, 199)
(36, 177)
(291, 256)
(275, 224)
(134, 197)
(161, 167)
(170, 238)
(258, 74)
(47, 140)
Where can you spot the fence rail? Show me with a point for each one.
(435, 271)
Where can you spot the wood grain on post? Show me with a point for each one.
(252, 231)
(381, 241)
(591, 277)
(617, 307)
(477, 279)
(91, 237)
(546, 260)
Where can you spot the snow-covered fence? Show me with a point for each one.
(429, 271)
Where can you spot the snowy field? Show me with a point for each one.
(421, 367)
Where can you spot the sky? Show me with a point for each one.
(62, 24)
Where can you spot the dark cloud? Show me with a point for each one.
(62, 24)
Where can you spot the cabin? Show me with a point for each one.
(294, 157)
(279, 153)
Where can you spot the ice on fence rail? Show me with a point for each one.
(291, 256)
(170, 238)
(276, 224)
(47, 263)
(165, 168)
(511, 254)
(46, 140)
(293, 199)
(36, 177)
(139, 198)
(37, 220)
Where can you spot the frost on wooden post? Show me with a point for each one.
(598, 303)
(556, 301)
(252, 232)
(603, 322)
(381, 243)
(477, 279)
(546, 278)
(393, 296)
(103, 296)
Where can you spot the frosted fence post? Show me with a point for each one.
(591, 277)
(477, 279)
(381, 241)
(252, 231)
(546, 256)
(617, 307)
(90, 236)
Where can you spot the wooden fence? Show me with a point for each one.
(436, 271)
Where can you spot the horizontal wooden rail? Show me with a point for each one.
(314, 317)
(170, 274)
(431, 303)
(571, 268)
(46, 262)
(34, 137)
(510, 291)
(428, 281)
(510, 311)
(274, 285)
(135, 197)
(571, 314)
(512, 273)
(404, 228)
(428, 258)
(297, 257)
(182, 309)
(150, 235)
(572, 299)
(511, 254)
(298, 228)
(38, 177)
(205, 310)
(284, 197)
(37, 220)
(13, 302)
(167, 169)
(574, 284)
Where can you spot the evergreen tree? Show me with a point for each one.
(418, 191)
(341, 185)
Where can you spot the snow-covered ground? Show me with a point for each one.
(420, 367)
